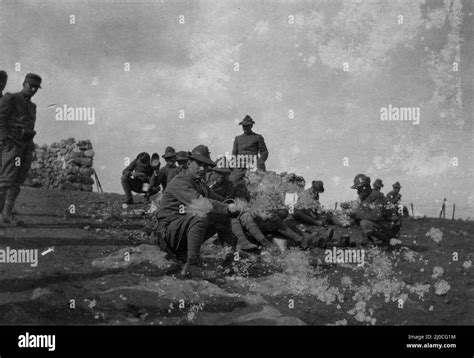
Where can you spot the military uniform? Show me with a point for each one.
(248, 144)
(17, 123)
(374, 218)
(165, 175)
(224, 189)
(135, 175)
(394, 197)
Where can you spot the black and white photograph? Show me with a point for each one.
(186, 164)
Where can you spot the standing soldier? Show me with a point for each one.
(17, 123)
(170, 169)
(181, 232)
(250, 144)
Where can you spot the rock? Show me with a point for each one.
(89, 153)
(269, 316)
(442, 287)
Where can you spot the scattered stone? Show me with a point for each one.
(467, 264)
(442, 287)
(90, 303)
(437, 272)
(431, 308)
(435, 234)
(394, 242)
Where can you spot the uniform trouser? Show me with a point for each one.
(383, 230)
(185, 234)
(129, 185)
(245, 224)
(15, 164)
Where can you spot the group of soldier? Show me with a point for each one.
(17, 130)
(188, 177)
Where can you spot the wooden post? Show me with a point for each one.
(454, 209)
(412, 210)
(335, 206)
(443, 210)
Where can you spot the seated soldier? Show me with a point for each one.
(170, 169)
(378, 185)
(378, 223)
(181, 160)
(395, 198)
(182, 232)
(136, 175)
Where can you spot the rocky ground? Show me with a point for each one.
(105, 270)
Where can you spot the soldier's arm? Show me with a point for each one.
(262, 148)
(5, 108)
(235, 149)
(128, 170)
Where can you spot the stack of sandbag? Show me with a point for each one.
(65, 165)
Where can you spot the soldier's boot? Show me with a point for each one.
(128, 190)
(382, 236)
(249, 223)
(242, 240)
(319, 239)
(12, 195)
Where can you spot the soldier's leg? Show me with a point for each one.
(126, 181)
(11, 158)
(372, 230)
(249, 224)
(12, 194)
(303, 217)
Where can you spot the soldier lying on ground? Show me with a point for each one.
(135, 175)
(181, 231)
(378, 222)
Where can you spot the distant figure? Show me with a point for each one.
(135, 175)
(378, 185)
(170, 169)
(3, 82)
(250, 144)
(376, 221)
(394, 196)
(17, 130)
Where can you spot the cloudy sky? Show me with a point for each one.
(333, 64)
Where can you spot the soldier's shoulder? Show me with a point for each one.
(8, 96)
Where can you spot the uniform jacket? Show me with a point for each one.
(166, 174)
(181, 191)
(393, 197)
(252, 144)
(372, 207)
(15, 112)
(138, 167)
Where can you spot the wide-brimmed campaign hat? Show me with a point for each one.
(396, 185)
(169, 152)
(201, 154)
(182, 155)
(378, 183)
(360, 180)
(247, 121)
(33, 79)
(318, 185)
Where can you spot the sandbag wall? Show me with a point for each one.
(65, 165)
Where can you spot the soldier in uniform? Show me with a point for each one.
(181, 159)
(170, 169)
(248, 143)
(181, 233)
(17, 123)
(154, 184)
(394, 196)
(135, 175)
(378, 223)
(378, 185)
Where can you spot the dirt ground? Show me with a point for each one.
(105, 270)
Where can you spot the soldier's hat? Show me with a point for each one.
(144, 157)
(3, 75)
(318, 185)
(378, 183)
(33, 79)
(360, 180)
(169, 153)
(247, 121)
(201, 154)
(396, 185)
(181, 155)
